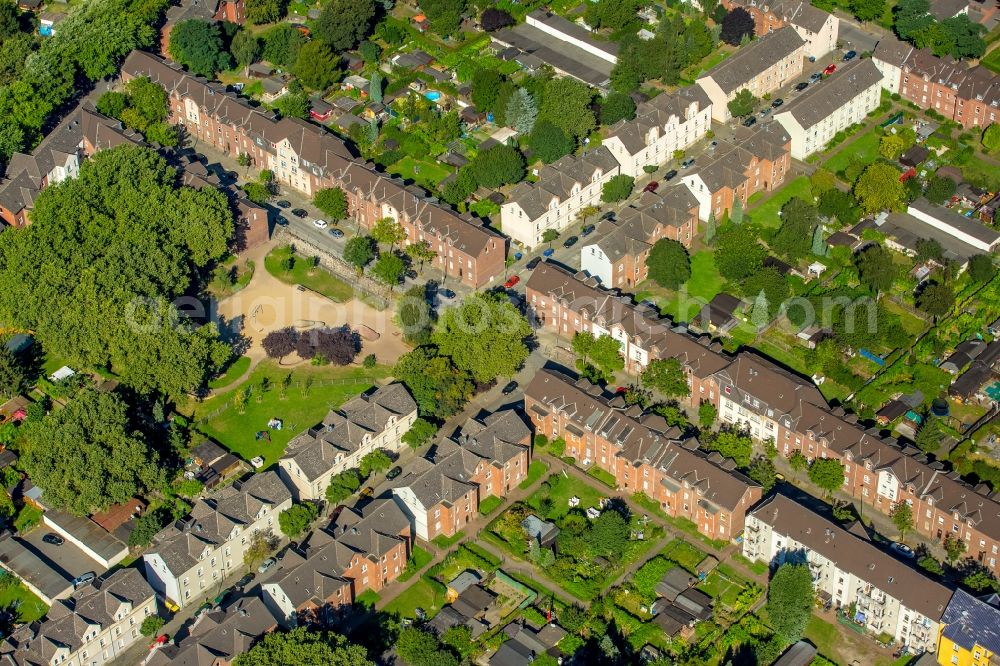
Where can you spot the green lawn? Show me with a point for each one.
(444, 542)
(864, 146)
(305, 273)
(419, 558)
(604, 477)
(992, 60)
(561, 489)
(684, 554)
(426, 173)
(232, 372)
(29, 607)
(420, 594)
(312, 393)
(489, 505)
(368, 598)
(766, 214)
(704, 284)
(535, 471)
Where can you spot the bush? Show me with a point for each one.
(151, 625)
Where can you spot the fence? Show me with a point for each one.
(376, 295)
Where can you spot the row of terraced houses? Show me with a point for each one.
(750, 391)
(307, 158)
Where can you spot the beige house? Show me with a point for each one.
(761, 67)
(668, 122)
(190, 559)
(889, 596)
(95, 625)
(820, 112)
(817, 27)
(365, 424)
(563, 189)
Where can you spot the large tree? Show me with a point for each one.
(982, 268)
(498, 166)
(742, 104)
(263, 11)
(618, 188)
(359, 251)
(790, 599)
(522, 111)
(439, 387)
(794, 237)
(333, 202)
(732, 443)
(303, 646)
(445, 16)
(827, 473)
(197, 45)
(612, 15)
(737, 25)
(601, 352)
(294, 520)
(493, 19)
(936, 299)
(342, 24)
(878, 188)
(111, 250)
(88, 456)
(484, 336)
(669, 264)
(835, 203)
(245, 48)
(738, 253)
(317, 66)
(567, 105)
(876, 268)
(282, 44)
(13, 374)
(667, 376)
(548, 142)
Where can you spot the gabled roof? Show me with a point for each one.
(970, 621)
(817, 103)
(855, 555)
(739, 69)
(664, 110)
(558, 180)
(344, 431)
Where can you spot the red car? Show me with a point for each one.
(160, 640)
(511, 282)
(830, 69)
(651, 186)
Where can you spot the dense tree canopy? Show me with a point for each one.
(878, 188)
(294, 520)
(282, 44)
(742, 104)
(87, 456)
(342, 24)
(333, 202)
(790, 599)
(936, 299)
(618, 188)
(876, 268)
(737, 25)
(548, 142)
(602, 353)
(617, 106)
(263, 11)
(110, 251)
(840, 205)
(669, 264)
(484, 336)
(303, 646)
(739, 254)
(494, 19)
(982, 268)
(827, 473)
(566, 104)
(666, 375)
(437, 385)
(498, 166)
(613, 15)
(197, 45)
(793, 238)
(317, 66)
(445, 16)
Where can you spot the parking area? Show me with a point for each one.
(48, 569)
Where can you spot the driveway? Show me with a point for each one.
(49, 569)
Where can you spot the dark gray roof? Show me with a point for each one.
(740, 68)
(816, 103)
(658, 113)
(946, 9)
(799, 654)
(966, 225)
(855, 555)
(906, 230)
(573, 30)
(557, 180)
(343, 431)
(970, 621)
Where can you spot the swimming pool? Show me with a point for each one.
(432, 95)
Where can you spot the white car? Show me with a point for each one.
(257, 462)
(320, 224)
(903, 550)
(266, 564)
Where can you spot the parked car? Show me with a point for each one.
(336, 511)
(651, 186)
(776, 103)
(610, 215)
(243, 582)
(850, 55)
(904, 550)
(266, 564)
(713, 145)
(548, 253)
(320, 224)
(394, 472)
(509, 388)
(282, 204)
(84, 578)
(161, 640)
(336, 233)
(750, 122)
(816, 76)
(281, 221)
(299, 212)
(534, 262)
(446, 293)
(686, 163)
(668, 176)
(53, 539)
(801, 86)
(367, 491)
(410, 274)
(763, 112)
(570, 242)
(587, 230)
(511, 282)
(830, 69)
